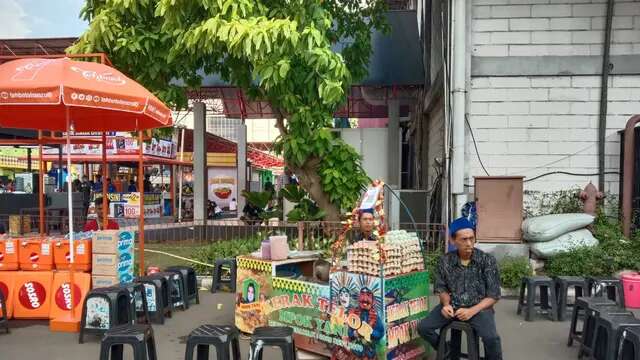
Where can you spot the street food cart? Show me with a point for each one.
(369, 308)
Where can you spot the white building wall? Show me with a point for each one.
(531, 125)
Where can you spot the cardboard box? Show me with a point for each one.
(113, 241)
(98, 281)
(120, 266)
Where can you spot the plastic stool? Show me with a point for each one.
(4, 319)
(547, 290)
(140, 337)
(563, 284)
(138, 301)
(611, 287)
(158, 296)
(217, 274)
(604, 341)
(592, 314)
(279, 336)
(629, 344)
(177, 289)
(103, 309)
(453, 351)
(219, 336)
(579, 310)
(190, 279)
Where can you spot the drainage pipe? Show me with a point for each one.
(602, 123)
(458, 90)
(628, 173)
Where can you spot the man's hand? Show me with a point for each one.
(465, 314)
(447, 311)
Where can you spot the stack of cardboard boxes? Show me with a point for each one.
(113, 257)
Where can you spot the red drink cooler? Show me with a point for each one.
(61, 254)
(36, 254)
(9, 254)
(7, 281)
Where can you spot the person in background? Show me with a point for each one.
(147, 183)
(97, 223)
(132, 186)
(76, 185)
(233, 205)
(85, 190)
(366, 220)
(110, 187)
(468, 285)
(97, 185)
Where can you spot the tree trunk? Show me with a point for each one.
(310, 180)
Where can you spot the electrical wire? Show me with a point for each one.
(475, 145)
(403, 205)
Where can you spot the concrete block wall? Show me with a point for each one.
(530, 125)
(552, 27)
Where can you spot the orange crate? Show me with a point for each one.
(36, 254)
(61, 291)
(7, 280)
(9, 254)
(61, 254)
(32, 294)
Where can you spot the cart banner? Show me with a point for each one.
(406, 303)
(253, 288)
(222, 185)
(357, 304)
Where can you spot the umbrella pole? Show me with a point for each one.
(105, 210)
(180, 174)
(172, 187)
(72, 247)
(141, 191)
(41, 184)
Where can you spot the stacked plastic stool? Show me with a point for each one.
(563, 284)
(609, 287)
(190, 279)
(278, 336)
(217, 274)
(103, 309)
(452, 350)
(140, 337)
(604, 342)
(220, 337)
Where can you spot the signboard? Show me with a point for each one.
(222, 185)
(128, 204)
(369, 199)
(254, 285)
(120, 146)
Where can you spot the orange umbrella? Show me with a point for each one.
(40, 93)
(65, 95)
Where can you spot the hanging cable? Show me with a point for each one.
(475, 145)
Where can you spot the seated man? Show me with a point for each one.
(468, 284)
(97, 223)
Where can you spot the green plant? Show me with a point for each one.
(261, 200)
(224, 249)
(539, 203)
(305, 208)
(585, 261)
(281, 52)
(432, 259)
(512, 270)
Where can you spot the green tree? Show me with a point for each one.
(275, 50)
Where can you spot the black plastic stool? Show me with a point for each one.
(604, 342)
(592, 314)
(279, 336)
(629, 344)
(611, 287)
(219, 336)
(140, 337)
(453, 350)
(217, 274)
(103, 309)
(4, 319)
(138, 301)
(547, 291)
(190, 279)
(563, 284)
(177, 290)
(579, 310)
(158, 296)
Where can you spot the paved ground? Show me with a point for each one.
(541, 339)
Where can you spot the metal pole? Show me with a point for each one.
(70, 203)
(141, 191)
(180, 176)
(105, 210)
(41, 183)
(172, 191)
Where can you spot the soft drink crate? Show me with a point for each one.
(120, 266)
(36, 254)
(62, 298)
(9, 254)
(82, 255)
(113, 242)
(32, 294)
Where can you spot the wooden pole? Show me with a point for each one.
(141, 191)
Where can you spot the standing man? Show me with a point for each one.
(85, 190)
(468, 285)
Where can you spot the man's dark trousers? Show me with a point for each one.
(483, 323)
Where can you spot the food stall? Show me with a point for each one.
(369, 308)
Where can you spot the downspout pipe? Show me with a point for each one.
(458, 90)
(628, 173)
(602, 123)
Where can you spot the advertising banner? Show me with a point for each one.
(121, 146)
(222, 185)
